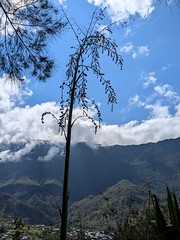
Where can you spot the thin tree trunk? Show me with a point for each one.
(65, 196)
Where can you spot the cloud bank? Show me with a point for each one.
(22, 124)
(123, 9)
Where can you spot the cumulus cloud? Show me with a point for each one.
(159, 90)
(137, 133)
(158, 110)
(28, 129)
(135, 100)
(17, 154)
(128, 48)
(21, 124)
(149, 79)
(52, 152)
(161, 102)
(134, 51)
(12, 94)
(143, 50)
(167, 91)
(157, 104)
(123, 9)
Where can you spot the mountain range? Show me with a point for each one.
(31, 186)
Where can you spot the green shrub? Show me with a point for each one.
(167, 228)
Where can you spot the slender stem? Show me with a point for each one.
(65, 196)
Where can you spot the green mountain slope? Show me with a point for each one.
(37, 184)
(29, 199)
(92, 212)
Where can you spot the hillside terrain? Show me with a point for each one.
(115, 203)
(30, 187)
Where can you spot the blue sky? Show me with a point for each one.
(147, 88)
(149, 48)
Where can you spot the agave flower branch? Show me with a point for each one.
(83, 64)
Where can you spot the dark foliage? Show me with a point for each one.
(25, 26)
(167, 231)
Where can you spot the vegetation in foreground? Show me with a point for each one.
(153, 222)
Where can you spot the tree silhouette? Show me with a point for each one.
(18, 229)
(25, 26)
(83, 63)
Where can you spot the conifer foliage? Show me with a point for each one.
(25, 26)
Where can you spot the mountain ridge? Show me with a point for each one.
(92, 170)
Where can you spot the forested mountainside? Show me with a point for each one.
(115, 203)
(32, 184)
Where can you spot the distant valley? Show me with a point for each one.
(31, 187)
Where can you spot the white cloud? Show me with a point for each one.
(19, 124)
(177, 108)
(123, 9)
(162, 94)
(144, 50)
(52, 152)
(157, 104)
(167, 91)
(23, 125)
(129, 48)
(149, 79)
(12, 94)
(158, 110)
(137, 133)
(128, 31)
(167, 67)
(135, 100)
